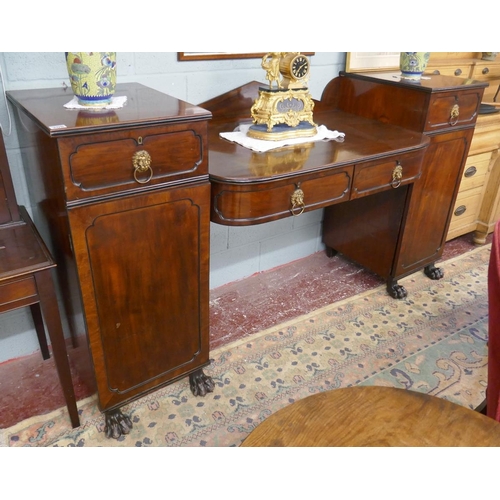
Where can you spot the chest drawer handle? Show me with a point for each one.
(485, 71)
(397, 176)
(470, 171)
(458, 72)
(297, 201)
(460, 210)
(142, 163)
(455, 112)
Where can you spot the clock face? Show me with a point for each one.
(299, 67)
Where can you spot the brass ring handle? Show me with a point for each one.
(142, 163)
(297, 201)
(397, 176)
(455, 111)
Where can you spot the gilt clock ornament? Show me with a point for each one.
(285, 109)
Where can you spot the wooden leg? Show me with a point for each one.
(395, 290)
(200, 383)
(433, 272)
(117, 424)
(40, 329)
(50, 309)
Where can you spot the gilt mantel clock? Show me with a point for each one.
(285, 110)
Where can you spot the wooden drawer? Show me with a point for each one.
(486, 70)
(476, 169)
(466, 208)
(461, 70)
(14, 291)
(102, 164)
(243, 204)
(374, 176)
(451, 109)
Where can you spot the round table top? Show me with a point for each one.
(375, 416)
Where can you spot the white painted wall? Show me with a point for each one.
(236, 252)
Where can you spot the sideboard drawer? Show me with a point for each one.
(373, 177)
(18, 290)
(102, 164)
(244, 204)
(453, 110)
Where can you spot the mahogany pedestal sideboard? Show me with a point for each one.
(124, 196)
(443, 108)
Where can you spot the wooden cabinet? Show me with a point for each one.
(126, 197)
(445, 109)
(477, 206)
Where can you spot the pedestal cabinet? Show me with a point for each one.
(124, 196)
(477, 207)
(443, 108)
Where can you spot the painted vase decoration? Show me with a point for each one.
(413, 64)
(488, 56)
(92, 76)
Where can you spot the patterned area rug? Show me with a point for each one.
(433, 342)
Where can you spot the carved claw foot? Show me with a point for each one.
(331, 252)
(432, 272)
(200, 383)
(117, 424)
(396, 291)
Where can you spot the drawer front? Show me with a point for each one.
(12, 292)
(106, 163)
(486, 70)
(237, 204)
(453, 109)
(475, 171)
(373, 177)
(460, 70)
(466, 208)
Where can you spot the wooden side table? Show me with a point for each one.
(374, 416)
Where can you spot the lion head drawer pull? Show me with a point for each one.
(455, 111)
(297, 201)
(397, 176)
(142, 163)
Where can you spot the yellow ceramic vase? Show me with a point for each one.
(413, 64)
(92, 76)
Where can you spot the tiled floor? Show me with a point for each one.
(29, 386)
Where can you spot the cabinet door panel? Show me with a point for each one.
(433, 200)
(143, 265)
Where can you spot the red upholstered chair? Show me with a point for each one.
(26, 280)
(493, 390)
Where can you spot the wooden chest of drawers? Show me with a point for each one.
(126, 204)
